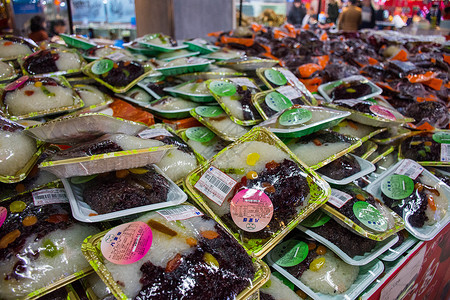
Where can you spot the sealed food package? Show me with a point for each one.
(177, 162)
(196, 91)
(274, 78)
(235, 97)
(361, 212)
(247, 63)
(118, 72)
(40, 244)
(107, 153)
(268, 103)
(182, 254)
(392, 136)
(415, 194)
(11, 47)
(182, 65)
(203, 140)
(95, 287)
(349, 246)
(346, 169)
(320, 148)
(77, 41)
(277, 289)
(7, 71)
(354, 87)
(299, 121)
(257, 189)
(172, 107)
(219, 122)
(361, 131)
(160, 42)
(120, 193)
(168, 56)
(366, 149)
(52, 62)
(91, 95)
(201, 45)
(214, 72)
(428, 114)
(317, 271)
(405, 241)
(76, 128)
(97, 52)
(18, 152)
(224, 54)
(427, 148)
(31, 97)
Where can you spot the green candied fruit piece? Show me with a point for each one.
(51, 250)
(427, 148)
(422, 153)
(17, 206)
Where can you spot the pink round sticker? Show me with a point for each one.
(251, 210)
(3, 214)
(127, 243)
(382, 112)
(17, 83)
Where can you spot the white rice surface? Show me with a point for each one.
(234, 106)
(360, 131)
(194, 88)
(128, 142)
(45, 270)
(139, 94)
(68, 61)
(227, 127)
(163, 249)
(16, 149)
(441, 202)
(107, 51)
(177, 164)
(335, 277)
(174, 103)
(6, 70)
(236, 158)
(91, 95)
(207, 149)
(182, 61)
(13, 50)
(311, 154)
(19, 103)
(279, 290)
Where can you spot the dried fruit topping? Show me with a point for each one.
(272, 165)
(360, 197)
(138, 171)
(173, 263)
(58, 218)
(155, 225)
(251, 175)
(29, 220)
(29, 93)
(210, 260)
(17, 206)
(321, 250)
(252, 159)
(317, 142)
(209, 234)
(122, 173)
(269, 188)
(38, 84)
(311, 246)
(191, 241)
(9, 238)
(317, 264)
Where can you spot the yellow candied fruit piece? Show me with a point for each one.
(17, 206)
(29, 221)
(210, 260)
(244, 88)
(138, 170)
(252, 175)
(122, 173)
(343, 124)
(415, 143)
(317, 264)
(38, 84)
(252, 158)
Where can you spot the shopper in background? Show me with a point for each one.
(57, 27)
(37, 27)
(333, 11)
(434, 16)
(297, 13)
(367, 15)
(350, 18)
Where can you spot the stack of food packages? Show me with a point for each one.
(319, 154)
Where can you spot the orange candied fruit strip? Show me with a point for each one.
(209, 234)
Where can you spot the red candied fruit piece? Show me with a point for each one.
(272, 165)
(58, 218)
(174, 263)
(29, 93)
(9, 43)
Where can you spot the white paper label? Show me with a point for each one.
(445, 152)
(338, 198)
(49, 196)
(289, 76)
(215, 184)
(117, 56)
(243, 81)
(409, 168)
(180, 213)
(151, 133)
(349, 102)
(289, 92)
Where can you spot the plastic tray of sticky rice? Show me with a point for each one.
(182, 254)
(257, 189)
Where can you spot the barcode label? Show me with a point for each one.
(445, 152)
(349, 102)
(215, 184)
(289, 92)
(243, 81)
(409, 168)
(338, 198)
(49, 196)
(180, 213)
(151, 133)
(116, 56)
